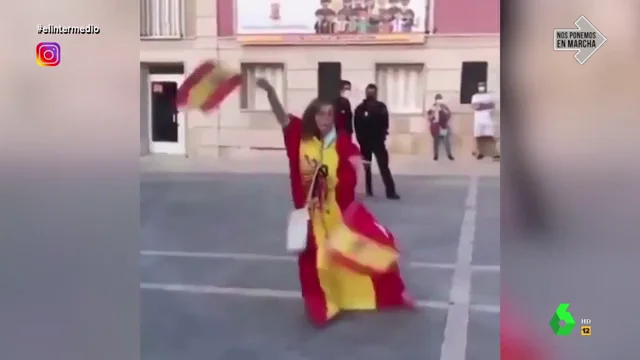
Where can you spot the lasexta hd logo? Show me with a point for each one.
(562, 322)
(48, 54)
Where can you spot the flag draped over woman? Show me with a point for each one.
(335, 275)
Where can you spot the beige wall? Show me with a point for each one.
(231, 127)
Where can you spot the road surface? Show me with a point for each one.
(216, 282)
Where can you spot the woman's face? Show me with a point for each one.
(324, 119)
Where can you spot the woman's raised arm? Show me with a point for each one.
(274, 102)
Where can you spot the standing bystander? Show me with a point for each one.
(483, 105)
(439, 116)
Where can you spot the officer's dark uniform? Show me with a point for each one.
(371, 119)
(343, 107)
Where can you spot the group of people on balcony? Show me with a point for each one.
(366, 17)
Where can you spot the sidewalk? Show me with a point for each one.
(276, 162)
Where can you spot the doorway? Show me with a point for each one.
(329, 78)
(473, 73)
(166, 123)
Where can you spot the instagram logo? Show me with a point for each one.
(48, 54)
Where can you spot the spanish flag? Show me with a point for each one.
(207, 86)
(361, 244)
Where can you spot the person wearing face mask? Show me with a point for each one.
(344, 120)
(371, 122)
(439, 125)
(483, 105)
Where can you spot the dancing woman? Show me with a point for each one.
(312, 142)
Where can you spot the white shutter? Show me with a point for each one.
(162, 19)
(256, 99)
(400, 87)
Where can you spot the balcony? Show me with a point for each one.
(162, 19)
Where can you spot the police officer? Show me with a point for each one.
(371, 120)
(343, 108)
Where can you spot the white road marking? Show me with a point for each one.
(454, 346)
(280, 294)
(285, 258)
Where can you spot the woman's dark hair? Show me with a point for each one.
(309, 126)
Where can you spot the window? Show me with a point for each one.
(401, 87)
(329, 78)
(473, 73)
(162, 19)
(254, 98)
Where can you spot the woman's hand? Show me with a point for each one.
(264, 84)
(356, 162)
(274, 102)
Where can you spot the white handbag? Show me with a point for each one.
(298, 225)
(297, 230)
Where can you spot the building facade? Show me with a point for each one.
(455, 46)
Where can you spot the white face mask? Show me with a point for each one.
(482, 89)
(346, 93)
(439, 101)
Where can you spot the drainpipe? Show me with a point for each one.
(219, 113)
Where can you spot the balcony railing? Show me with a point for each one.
(162, 19)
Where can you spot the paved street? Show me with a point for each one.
(217, 284)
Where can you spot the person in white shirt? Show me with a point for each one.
(483, 105)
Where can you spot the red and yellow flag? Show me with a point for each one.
(207, 86)
(361, 243)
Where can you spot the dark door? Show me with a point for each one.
(329, 77)
(164, 119)
(473, 73)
